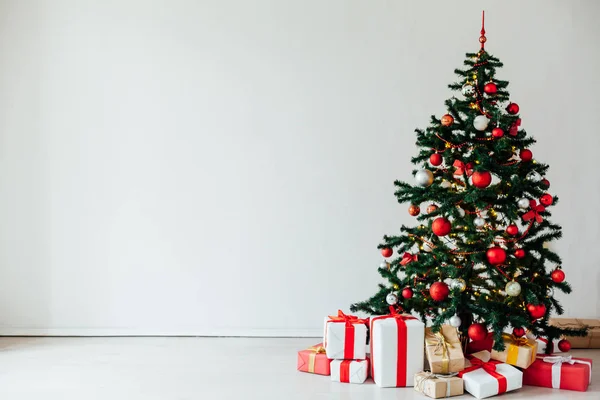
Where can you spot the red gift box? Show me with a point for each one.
(314, 360)
(486, 344)
(559, 372)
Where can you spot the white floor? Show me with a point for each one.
(190, 368)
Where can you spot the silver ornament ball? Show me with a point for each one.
(458, 283)
(384, 264)
(513, 288)
(550, 292)
(533, 176)
(468, 90)
(461, 212)
(455, 321)
(479, 222)
(481, 122)
(391, 299)
(523, 203)
(424, 177)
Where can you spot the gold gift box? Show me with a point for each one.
(591, 341)
(443, 350)
(437, 386)
(519, 352)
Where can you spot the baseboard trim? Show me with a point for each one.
(309, 333)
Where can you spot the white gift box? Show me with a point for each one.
(543, 342)
(481, 384)
(339, 335)
(349, 371)
(397, 349)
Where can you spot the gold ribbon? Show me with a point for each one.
(441, 347)
(513, 347)
(313, 356)
(430, 376)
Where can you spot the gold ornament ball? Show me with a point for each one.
(414, 210)
(431, 208)
(459, 283)
(447, 120)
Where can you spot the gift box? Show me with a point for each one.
(443, 350)
(349, 371)
(314, 360)
(397, 351)
(476, 346)
(345, 337)
(438, 386)
(519, 351)
(542, 344)
(559, 372)
(484, 378)
(591, 341)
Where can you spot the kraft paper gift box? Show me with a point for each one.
(559, 372)
(591, 341)
(349, 371)
(345, 337)
(397, 349)
(314, 360)
(443, 350)
(519, 352)
(438, 386)
(484, 378)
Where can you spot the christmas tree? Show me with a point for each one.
(478, 256)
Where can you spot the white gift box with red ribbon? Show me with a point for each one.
(349, 371)
(345, 337)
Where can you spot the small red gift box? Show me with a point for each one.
(314, 360)
(476, 346)
(559, 372)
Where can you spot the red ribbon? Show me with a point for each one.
(461, 167)
(402, 345)
(534, 213)
(514, 128)
(350, 320)
(407, 258)
(345, 371)
(490, 368)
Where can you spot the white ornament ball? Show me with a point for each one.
(384, 264)
(513, 288)
(455, 321)
(424, 177)
(481, 122)
(550, 292)
(391, 299)
(445, 184)
(533, 176)
(461, 212)
(458, 283)
(523, 203)
(468, 90)
(479, 222)
(427, 247)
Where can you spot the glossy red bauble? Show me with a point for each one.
(477, 331)
(414, 210)
(435, 159)
(407, 293)
(546, 199)
(512, 108)
(490, 88)
(431, 208)
(481, 179)
(557, 275)
(512, 230)
(441, 226)
(497, 133)
(496, 255)
(536, 310)
(519, 253)
(439, 291)
(447, 120)
(386, 252)
(546, 183)
(526, 155)
(564, 345)
(519, 332)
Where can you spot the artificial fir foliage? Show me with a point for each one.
(483, 239)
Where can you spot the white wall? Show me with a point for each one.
(226, 167)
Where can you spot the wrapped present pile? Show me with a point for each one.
(404, 353)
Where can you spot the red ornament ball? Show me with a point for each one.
(497, 133)
(546, 183)
(536, 310)
(496, 255)
(481, 179)
(435, 159)
(477, 331)
(526, 155)
(519, 253)
(439, 291)
(512, 230)
(431, 208)
(441, 226)
(546, 199)
(564, 345)
(414, 210)
(490, 88)
(557, 275)
(407, 293)
(512, 108)
(447, 120)
(519, 332)
(387, 252)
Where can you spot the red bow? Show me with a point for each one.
(407, 258)
(490, 368)
(514, 129)
(461, 167)
(348, 319)
(534, 213)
